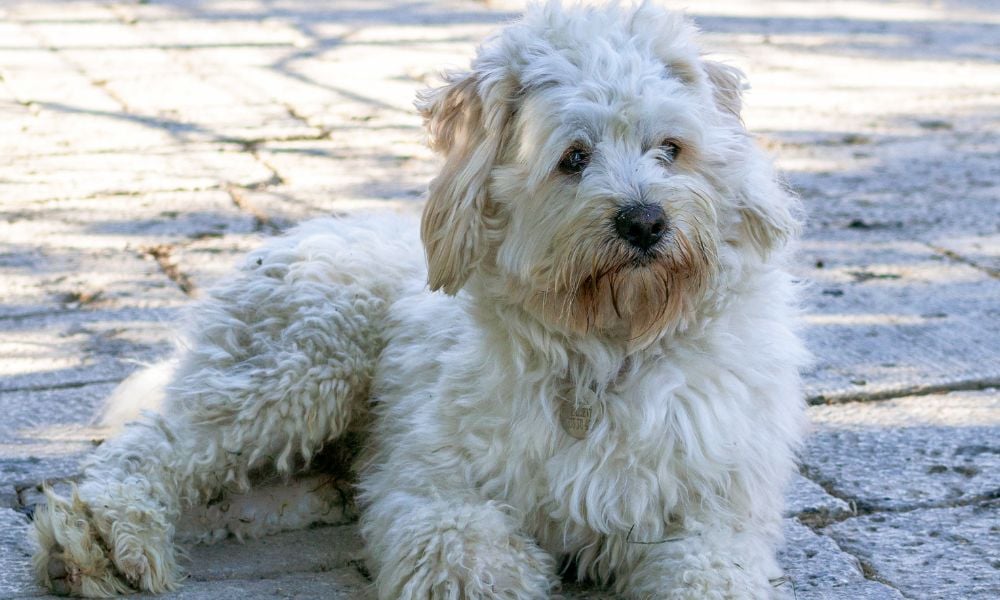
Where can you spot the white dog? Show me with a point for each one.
(608, 384)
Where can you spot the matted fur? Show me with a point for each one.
(685, 353)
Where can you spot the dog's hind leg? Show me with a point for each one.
(278, 363)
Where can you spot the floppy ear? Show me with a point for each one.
(768, 211)
(770, 214)
(727, 85)
(468, 131)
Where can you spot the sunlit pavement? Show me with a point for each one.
(146, 145)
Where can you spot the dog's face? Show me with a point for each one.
(596, 172)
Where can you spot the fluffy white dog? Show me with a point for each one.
(607, 384)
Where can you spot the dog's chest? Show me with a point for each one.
(582, 468)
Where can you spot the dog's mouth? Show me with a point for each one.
(643, 259)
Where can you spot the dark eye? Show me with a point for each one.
(669, 149)
(574, 160)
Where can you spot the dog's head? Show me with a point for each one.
(596, 172)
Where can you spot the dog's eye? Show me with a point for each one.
(574, 160)
(669, 149)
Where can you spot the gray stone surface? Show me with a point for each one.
(934, 450)
(313, 550)
(819, 569)
(929, 554)
(44, 433)
(15, 556)
(808, 501)
(144, 146)
(336, 584)
(893, 317)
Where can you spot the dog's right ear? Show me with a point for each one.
(465, 120)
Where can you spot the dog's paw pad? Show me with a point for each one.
(57, 568)
(63, 579)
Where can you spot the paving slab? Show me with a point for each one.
(313, 550)
(954, 550)
(40, 125)
(45, 433)
(55, 176)
(29, 410)
(279, 207)
(364, 170)
(929, 450)
(897, 185)
(16, 579)
(336, 584)
(889, 317)
(75, 258)
(819, 569)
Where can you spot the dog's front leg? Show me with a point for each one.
(713, 564)
(456, 547)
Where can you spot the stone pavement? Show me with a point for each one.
(144, 145)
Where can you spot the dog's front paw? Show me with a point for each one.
(471, 553)
(692, 570)
(72, 557)
(720, 581)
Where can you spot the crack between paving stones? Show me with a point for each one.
(955, 256)
(959, 385)
(129, 193)
(122, 14)
(261, 219)
(55, 312)
(249, 144)
(358, 564)
(161, 253)
(218, 144)
(251, 147)
(323, 134)
(83, 310)
(59, 386)
(868, 571)
(860, 508)
(126, 193)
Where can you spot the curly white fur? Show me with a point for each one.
(685, 355)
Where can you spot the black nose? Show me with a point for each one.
(641, 225)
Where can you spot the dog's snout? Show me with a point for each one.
(641, 225)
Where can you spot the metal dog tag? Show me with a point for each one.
(575, 420)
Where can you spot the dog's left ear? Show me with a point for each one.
(727, 84)
(465, 119)
(768, 211)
